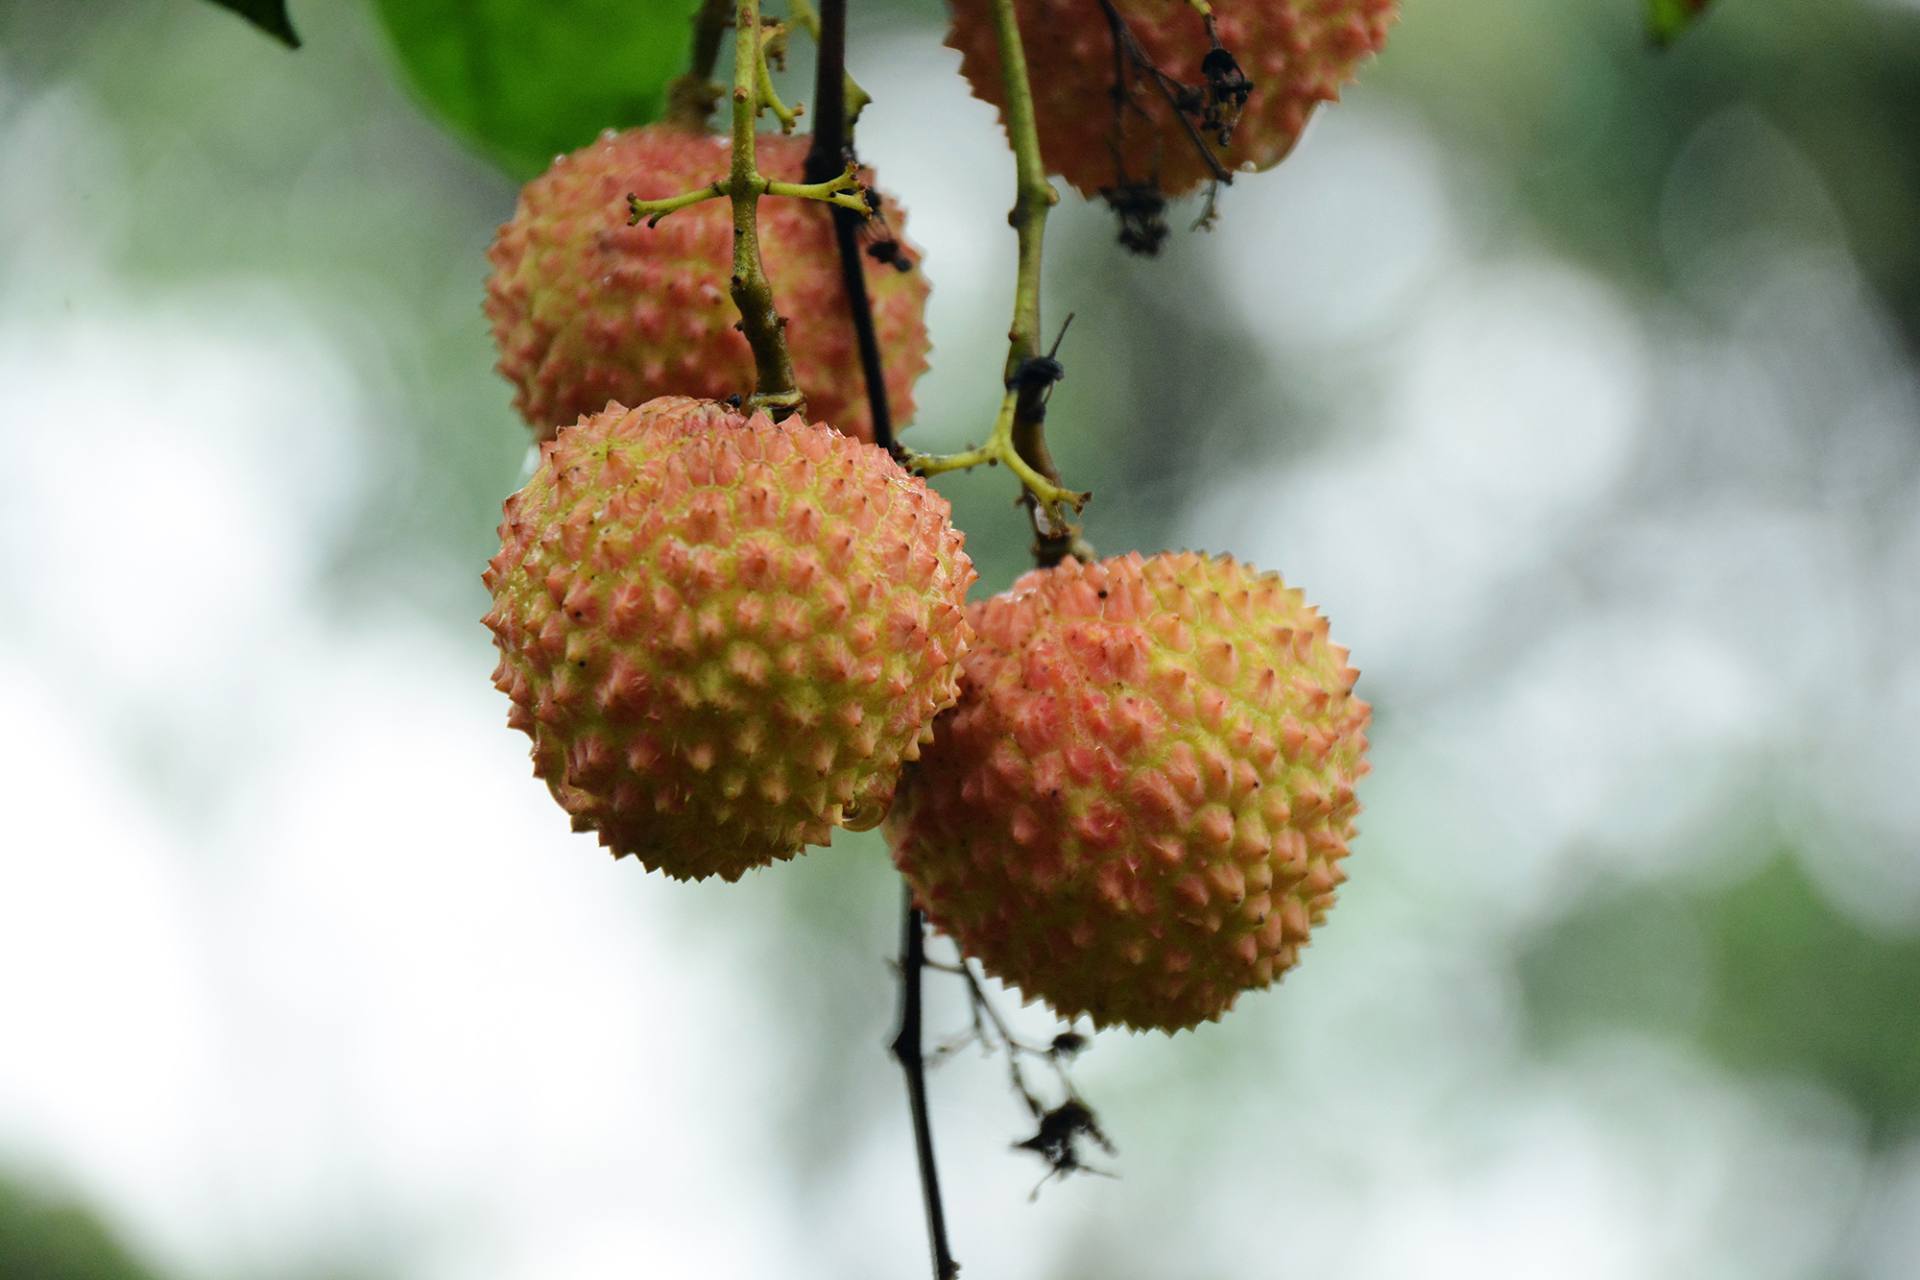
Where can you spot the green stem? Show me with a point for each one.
(843, 192)
(654, 210)
(774, 387)
(770, 96)
(1055, 535)
(1034, 196)
(1042, 487)
(1019, 431)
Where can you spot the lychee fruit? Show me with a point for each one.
(586, 309)
(1286, 57)
(723, 634)
(1139, 806)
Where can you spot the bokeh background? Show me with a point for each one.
(1577, 382)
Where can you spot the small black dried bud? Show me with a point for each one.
(1068, 1044)
(1227, 92)
(1143, 216)
(1058, 1139)
(1036, 373)
(891, 254)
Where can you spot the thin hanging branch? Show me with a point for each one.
(907, 1051)
(1019, 440)
(832, 153)
(804, 16)
(1060, 1129)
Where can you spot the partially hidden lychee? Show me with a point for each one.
(1139, 807)
(586, 309)
(1296, 54)
(724, 635)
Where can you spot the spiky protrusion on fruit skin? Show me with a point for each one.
(586, 309)
(1297, 53)
(1139, 806)
(724, 635)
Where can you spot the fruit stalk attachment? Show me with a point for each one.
(1019, 437)
(775, 389)
(843, 191)
(838, 101)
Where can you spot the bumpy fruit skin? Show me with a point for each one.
(723, 635)
(1139, 806)
(586, 309)
(1297, 53)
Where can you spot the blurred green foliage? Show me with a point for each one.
(526, 80)
(1763, 974)
(1582, 123)
(45, 1239)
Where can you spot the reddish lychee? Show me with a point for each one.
(1139, 806)
(1296, 54)
(723, 635)
(587, 309)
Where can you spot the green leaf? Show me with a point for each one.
(1666, 19)
(528, 79)
(57, 1239)
(268, 15)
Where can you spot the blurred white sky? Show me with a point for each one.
(298, 954)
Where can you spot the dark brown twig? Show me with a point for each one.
(831, 153)
(1178, 94)
(1059, 1129)
(906, 1051)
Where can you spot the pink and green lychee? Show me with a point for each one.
(724, 635)
(1295, 53)
(1139, 807)
(587, 309)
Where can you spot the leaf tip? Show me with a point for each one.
(269, 16)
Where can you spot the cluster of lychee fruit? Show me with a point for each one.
(1123, 786)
